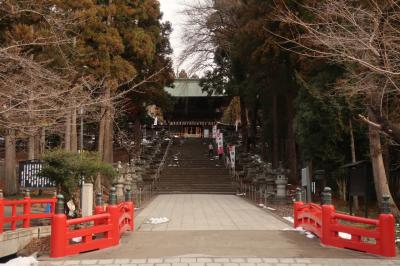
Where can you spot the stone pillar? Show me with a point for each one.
(87, 199)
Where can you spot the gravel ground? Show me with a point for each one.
(39, 245)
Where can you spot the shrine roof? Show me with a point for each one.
(188, 88)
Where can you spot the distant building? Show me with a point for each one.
(194, 112)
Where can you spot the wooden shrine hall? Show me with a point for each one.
(194, 112)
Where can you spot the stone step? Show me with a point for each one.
(194, 183)
(198, 192)
(185, 171)
(187, 187)
(194, 175)
(190, 182)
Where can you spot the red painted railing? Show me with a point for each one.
(101, 230)
(378, 238)
(27, 215)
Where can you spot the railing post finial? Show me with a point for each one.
(299, 194)
(60, 208)
(27, 193)
(327, 196)
(128, 195)
(99, 199)
(113, 196)
(385, 204)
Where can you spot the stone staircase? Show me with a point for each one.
(190, 170)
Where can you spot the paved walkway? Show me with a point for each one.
(206, 212)
(216, 230)
(227, 261)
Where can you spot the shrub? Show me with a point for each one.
(67, 168)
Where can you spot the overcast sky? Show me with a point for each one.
(171, 10)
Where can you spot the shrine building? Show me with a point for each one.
(194, 112)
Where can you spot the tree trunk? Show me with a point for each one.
(74, 134)
(253, 128)
(31, 147)
(101, 132)
(10, 162)
(107, 157)
(97, 184)
(42, 142)
(353, 160)
(111, 134)
(352, 146)
(386, 156)
(291, 143)
(378, 167)
(243, 118)
(137, 138)
(275, 132)
(68, 132)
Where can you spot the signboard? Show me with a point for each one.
(304, 177)
(232, 155)
(206, 133)
(306, 181)
(29, 175)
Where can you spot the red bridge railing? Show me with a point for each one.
(375, 236)
(101, 230)
(14, 211)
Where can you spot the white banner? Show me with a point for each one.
(220, 142)
(232, 154)
(236, 125)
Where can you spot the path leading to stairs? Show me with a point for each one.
(218, 229)
(210, 226)
(195, 212)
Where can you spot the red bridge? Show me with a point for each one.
(375, 236)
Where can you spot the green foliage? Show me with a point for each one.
(322, 122)
(66, 169)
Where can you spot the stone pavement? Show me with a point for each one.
(226, 230)
(206, 212)
(225, 261)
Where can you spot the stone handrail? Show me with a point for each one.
(162, 163)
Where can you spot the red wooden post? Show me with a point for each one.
(1, 211)
(131, 209)
(296, 207)
(99, 208)
(58, 240)
(113, 210)
(53, 203)
(328, 211)
(27, 209)
(387, 230)
(99, 204)
(13, 217)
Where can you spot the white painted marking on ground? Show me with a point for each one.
(158, 220)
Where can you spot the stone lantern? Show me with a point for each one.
(120, 180)
(281, 181)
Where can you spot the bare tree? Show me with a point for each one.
(209, 24)
(364, 39)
